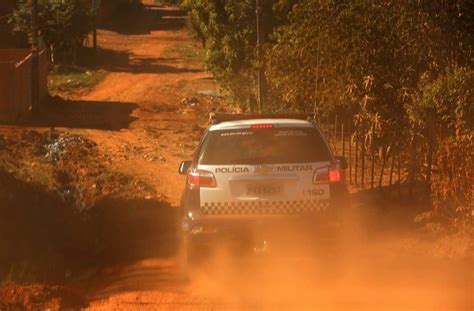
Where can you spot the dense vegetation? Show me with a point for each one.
(405, 66)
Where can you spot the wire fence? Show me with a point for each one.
(382, 165)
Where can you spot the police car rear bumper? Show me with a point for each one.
(199, 222)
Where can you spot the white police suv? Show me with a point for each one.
(250, 173)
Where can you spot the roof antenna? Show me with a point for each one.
(317, 79)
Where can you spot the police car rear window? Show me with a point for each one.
(268, 146)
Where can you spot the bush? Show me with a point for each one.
(445, 104)
(452, 188)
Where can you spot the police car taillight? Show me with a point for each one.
(331, 174)
(334, 174)
(201, 178)
(261, 126)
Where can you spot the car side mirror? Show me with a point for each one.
(341, 161)
(184, 166)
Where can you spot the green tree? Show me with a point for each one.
(63, 25)
(229, 30)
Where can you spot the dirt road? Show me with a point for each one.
(138, 118)
(150, 75)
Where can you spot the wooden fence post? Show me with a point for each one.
(413, 164)
(343, 141)
(350, 151)
(399, 170)
(392, 165)
(430, 152)
(372, 151)
(356, 162)
(384, 159)
(362, 156)
(94, 25)
(328, 131)
(34, 59)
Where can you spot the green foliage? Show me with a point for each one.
(446, 104)
(370, 55)
(63, 25)
(366, 56)
(229, 30)
(74, 80)
(188, 53)
(452, 188)
(197, 18)
(447, 101)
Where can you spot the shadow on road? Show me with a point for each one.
(132, 232)
(137, 21)
(135, 229)
(124, 61)
(144, 19)
(44, 238)
(112, 116)
(389, 208)
(134, 279)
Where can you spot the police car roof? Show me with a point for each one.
(244, 124)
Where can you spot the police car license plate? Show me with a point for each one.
(263, 189)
